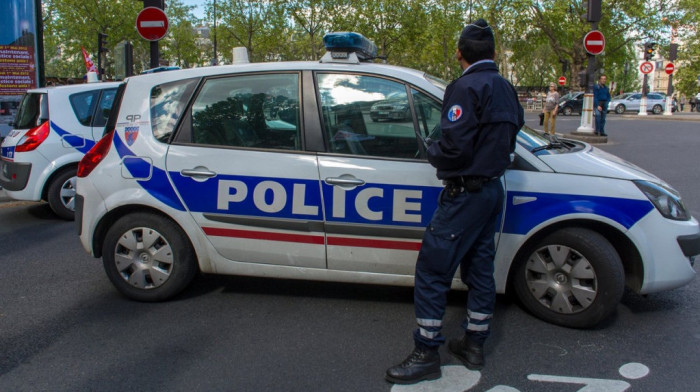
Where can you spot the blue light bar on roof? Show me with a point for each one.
(350, 43)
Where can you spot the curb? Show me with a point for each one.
(587, 137)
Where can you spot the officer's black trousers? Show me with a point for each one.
(460, 234)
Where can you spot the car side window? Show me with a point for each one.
(428, 112)
(168, 102)
(654, 96)
(104, 107)
(257, 111)
(83, 105)
(367, 115)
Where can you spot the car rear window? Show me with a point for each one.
(83, 105)
(33, 110)
(168, 102)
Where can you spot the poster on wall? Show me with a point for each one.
(18, 57)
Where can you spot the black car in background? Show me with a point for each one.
(571, 103)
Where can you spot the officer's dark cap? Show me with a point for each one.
(477, 31)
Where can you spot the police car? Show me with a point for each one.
(277, 170)
(54, 128)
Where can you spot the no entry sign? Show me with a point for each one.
(152, 24)
(646, 67)
(594, 42)
(669, 68)
(562, 80)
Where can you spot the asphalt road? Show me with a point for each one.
(64, 328)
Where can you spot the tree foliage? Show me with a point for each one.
(534, 38)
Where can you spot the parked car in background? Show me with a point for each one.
(571, 103)
(656, 103)
(54, 128)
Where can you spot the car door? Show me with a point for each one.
(633, 102)
(379, 193)
(238, 165)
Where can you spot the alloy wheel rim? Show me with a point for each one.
(67, 194)
(561, 279)
(144, 258)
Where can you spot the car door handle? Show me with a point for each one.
(344, 181)
(198, 172)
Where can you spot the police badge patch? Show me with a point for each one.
(455, 113)
(131, 133)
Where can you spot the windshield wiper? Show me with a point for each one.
(554, 142)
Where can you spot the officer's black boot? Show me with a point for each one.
(422, 364)
(468, 351)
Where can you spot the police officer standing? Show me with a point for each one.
(481, 116)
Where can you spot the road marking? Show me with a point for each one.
(457, 378)
(634, 371)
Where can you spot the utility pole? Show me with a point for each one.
(587, 127)
(155, 53)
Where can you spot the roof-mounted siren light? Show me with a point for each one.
(348, 47)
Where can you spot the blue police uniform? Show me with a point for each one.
(601, 97)
(481, 116)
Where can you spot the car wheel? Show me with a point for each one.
(657, 109)
(148, 257)
(573, 278)
(619, 109)
(61, 194)
(568, 110)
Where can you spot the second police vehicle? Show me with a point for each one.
(53, 129)
(277, 170)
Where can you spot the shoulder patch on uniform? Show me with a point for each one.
(455, 113)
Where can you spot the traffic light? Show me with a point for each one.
(649, 50)
(101, 43)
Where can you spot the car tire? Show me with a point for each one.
(61, 194)
(148, 257)
(657, 109)
(568, 110)
(573, 278)
(619, 109)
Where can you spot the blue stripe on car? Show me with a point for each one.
(522, 218)
(78, 142)
(158, 185)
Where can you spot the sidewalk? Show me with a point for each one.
(679, 116)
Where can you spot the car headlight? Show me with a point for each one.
(666, 200)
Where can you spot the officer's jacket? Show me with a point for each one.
(481, 116)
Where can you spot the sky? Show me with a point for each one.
(199, 4)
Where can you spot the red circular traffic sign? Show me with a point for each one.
(562, 80)
(669, 68)
(646, 67)
(152, 24)
(594, 42)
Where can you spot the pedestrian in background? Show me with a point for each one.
(692, 104)
(551, 108)
(481, 117)
(682, 101)
(601, 97)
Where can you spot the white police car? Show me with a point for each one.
(276, 170)
(54, 128)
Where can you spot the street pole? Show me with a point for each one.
(673, 50)
(643, 102)
(593, 15)
(155, 53)
(215, 60)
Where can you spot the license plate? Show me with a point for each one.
(8, 152)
